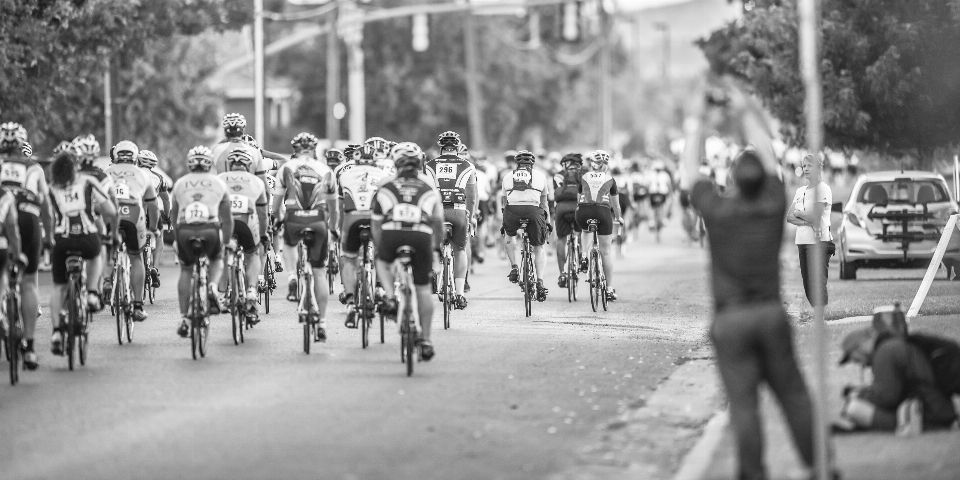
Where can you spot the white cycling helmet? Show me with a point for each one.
(239, 157)
(200, 158)
(125, 152)
(147, 159)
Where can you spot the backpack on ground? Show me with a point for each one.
(944, 357)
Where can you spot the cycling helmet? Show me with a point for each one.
(304, 142)
(367, 155)
(199, 159)
(407, 155)
(526, 157)
(462, 150)
(86, 147)
(349, 152)
(448, 139)
(572, 158)
(12, 137)
(510, 156)
(241, 158)
(27, 149)
(249, 140)
(125, 152)
(233, 124)
(601, 157)
(334, 156)
(147, 159)
(61, 147)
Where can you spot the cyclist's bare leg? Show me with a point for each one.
(94, 270)
(425, 309)
(461, 257)
(183, 288)
(320, 290)
(56, 303)
(607, 261)
(30, 303)
(253, 268)
(540, 261)
(510, 246)
(157, 249)
(138, 273)
(290, 263)
(385, 275)
(348, 272)
(562, 254)
(216, 271)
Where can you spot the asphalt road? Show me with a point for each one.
(505, 396)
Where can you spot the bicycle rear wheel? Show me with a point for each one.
(82, 341)
(447, 297)
(116, 308)
(360, 308)
(528, 284)
(236, 320)
(202, 333)
(128, 323)
(12, 342)
(194, 340)
(594, 280)
(306, 335)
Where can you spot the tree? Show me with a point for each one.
(890, 70)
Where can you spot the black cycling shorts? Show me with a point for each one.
(246, 240)
(293, 227)
(350, 236)
(458, 218)
(212, 249)
(536, 228)
(657, 199)
(602, 213)
(566, 219)
(31, 240)
(422, 258)
(130, 234)
(86, 246)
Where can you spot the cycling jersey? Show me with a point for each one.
(596, 188)
(483, 186)
(247, 193)
(660, 182)
(74, 204)
(198, 196)
(387, 165)
(24, 178)
(358, 185)
(131, 186)
(406, 203)
(451, 175)
(524, 186)
(566, 185)
(223, 149)
(305, 182)
(343, 167)
(7, 205)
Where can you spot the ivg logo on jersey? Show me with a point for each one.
(199, 184)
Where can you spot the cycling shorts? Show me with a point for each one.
(536, 228)
(87, 246)
(593, 211)
(657, 199)
(459, 220)
(350, 236)
(422, 258)
(684, 198)
(212, 249)
(293, 227)
(566, 218)
(246, 240)
(31, 240)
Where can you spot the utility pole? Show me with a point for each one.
(606, 89)
(474, 108)
(258, 71)
(333, 78)
(665, 56)
(108, 105)
(351, 26)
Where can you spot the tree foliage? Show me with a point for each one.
(53, 54)
(890, 70)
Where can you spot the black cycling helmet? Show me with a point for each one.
(366, 156)
(572, 158)
(525, 157)
(304, 142)
(448, 139)
(334, 155)
(350, 151)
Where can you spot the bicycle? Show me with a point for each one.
(332, 266)
(574, 253)
(446, 291)
(306, 308)
(78, 318)
(657, 202)
(14, 340)
(597, 280)
(527, 279)
(267, 285)
(407, 309)
(149, 291)
(121, 294)
(198, 312)
(236, 295)
(366, 283)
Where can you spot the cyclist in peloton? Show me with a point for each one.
(200, 208)
(86, 149)
(660, 187)
(381, 153)
(599, 201)
(566, 186)
(74, 196)
(137, 202)
(334, 157)
(233, 125)
(407, 211)
(147, 160)
(24, 178)
(10, 248)
(456, 180)
(306, 190)
(525, 196)
(248, 206)
(271, 161)
(356, 188)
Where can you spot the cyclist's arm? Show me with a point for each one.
(376, 220)
(615, 202)
(333, 206)
(226, 218)
(262, 213)
(473, 200)
(165, 197)
(46, 208)
(436, 221)
(544, 204)
(153, 210)
(109, 213)
(14, 247)
(278, 160)
(174, 212)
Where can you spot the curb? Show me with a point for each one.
(698, 459)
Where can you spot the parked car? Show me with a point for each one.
(895, 219)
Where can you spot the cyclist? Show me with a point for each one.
(640, 192)
(356, 188)
(200, 208)
(306, 190)
(660, 187)
(381, 153)
(272, 161)
(74, 196)
(456, 179)
(233, 125)
(24, 178)
(479, 240)
(87, 150)
(525, 196)
(147, 160)
(248, 205)
(407, 211)
(566, 186)
(137, 204)
(334, 157)
(599, 200)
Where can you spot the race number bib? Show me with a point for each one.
(239, 204)
(404, 212)
(196, 212)
(122, 191)
(447, 171)
(72, 200)
(522, 176)
(13, 172)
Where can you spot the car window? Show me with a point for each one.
(902, 191)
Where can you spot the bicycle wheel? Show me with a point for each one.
(447, 297)
(602, 290)
(82, 341)
(267, 278)
(115, 307)
(306, 336)
(235, 319)
(594, 281)
(528, 286)
(204, 332)
(383, 338)
(128, 323)
(360, 307)
(12, 341)
(196, 316)
(194, 341)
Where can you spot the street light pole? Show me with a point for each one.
(258, 71)
(665, 56)
(606, 89)
(474, 109)
(333, 78)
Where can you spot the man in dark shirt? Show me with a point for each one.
(751, 331)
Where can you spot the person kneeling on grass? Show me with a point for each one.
(902, 371)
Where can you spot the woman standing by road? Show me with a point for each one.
(811, 214)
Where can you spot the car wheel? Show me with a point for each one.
(848, 270)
